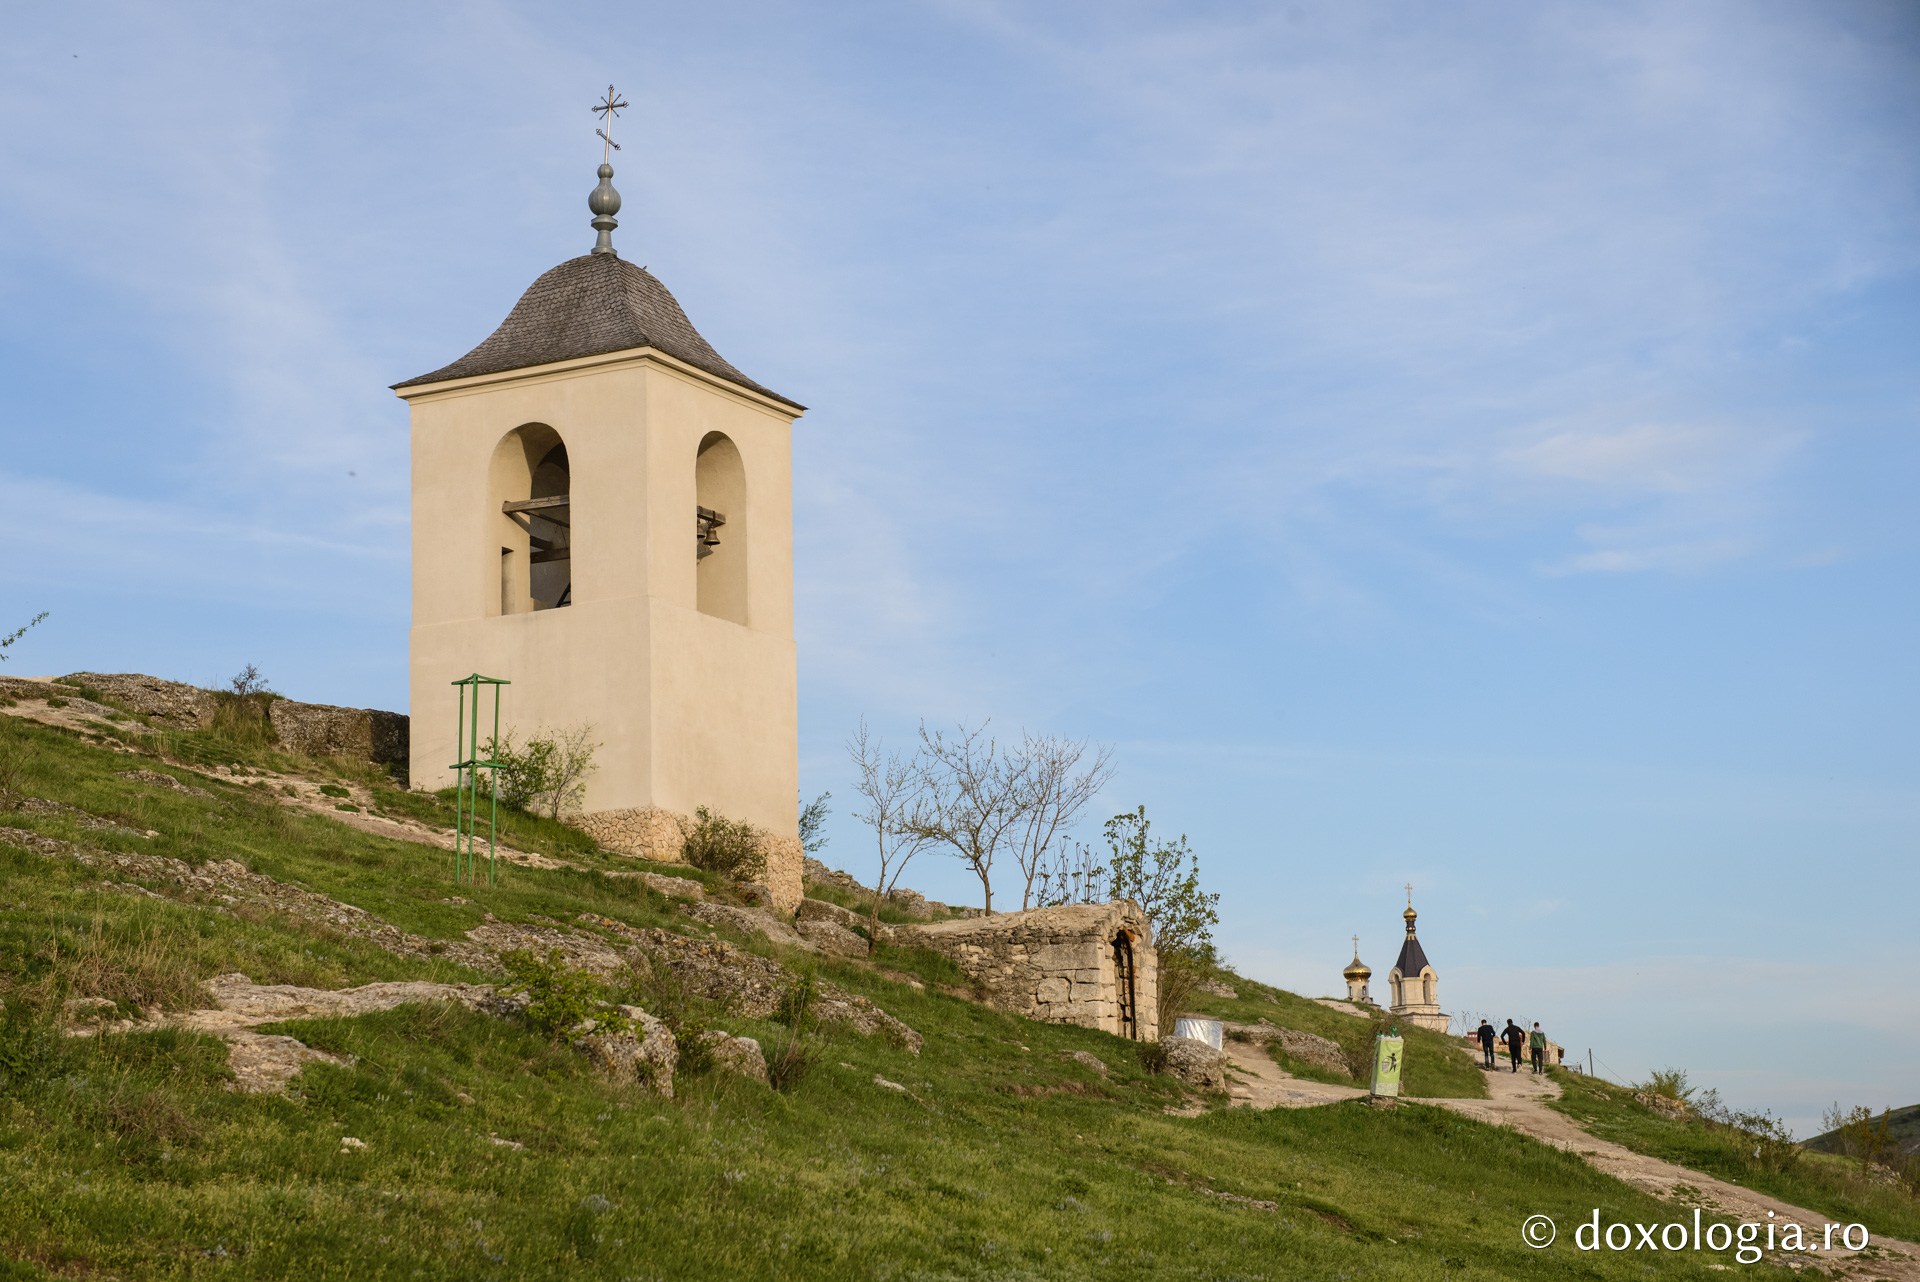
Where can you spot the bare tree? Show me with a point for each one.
(974, 794)
(1073, 877)
(897, 812)
(1053, 790)
(568, 765)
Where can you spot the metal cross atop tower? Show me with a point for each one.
(608, 109)
(1409, 894)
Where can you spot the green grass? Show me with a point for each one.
(1819, 1182)
(126, 1156)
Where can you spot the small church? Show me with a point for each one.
(558, 469)
(1413, 986)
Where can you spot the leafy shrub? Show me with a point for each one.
(726, 846)
(1668, 1083)
(1153, 1057)
(334, 790)
(547, 773)
(558, 996)
(696, 1053)
(56, 701)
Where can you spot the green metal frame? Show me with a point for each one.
(466, 739)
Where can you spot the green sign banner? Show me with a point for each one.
(1388, 1054)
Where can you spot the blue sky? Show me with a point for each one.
(1465, 445)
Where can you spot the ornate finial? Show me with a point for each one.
(1409, 894)
(1356, 948)
(605, 201)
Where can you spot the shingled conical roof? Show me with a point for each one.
(589, 306)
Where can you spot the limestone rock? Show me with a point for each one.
(750, 921)
(1091, 1060)
(188, 707)
(1309, 1048)
(1196, 1063)
(911, 902)
(747, 983)
(644, 1054)
(321, 730)
(159, 780)
(676, 887)
(835, 1005)
(740, 1055)
(832, 937)
(823, 910)
(1662, 1104)
(813, 870)
(1216, 988)
(263, 1063)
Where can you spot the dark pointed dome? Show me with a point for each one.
(589, 306)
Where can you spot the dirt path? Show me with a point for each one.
(1520, 1100)
(1265, 1084)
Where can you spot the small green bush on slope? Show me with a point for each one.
(1003, 1157)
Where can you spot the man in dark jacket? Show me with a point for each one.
(1516, 1039)
(1487, 1038)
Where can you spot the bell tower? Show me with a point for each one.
(603, 515)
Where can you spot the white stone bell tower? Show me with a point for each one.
(1415, 986)
(603, 515)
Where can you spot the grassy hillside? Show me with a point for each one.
(1903, 1127)
(1818, 1181)
(490, 1152)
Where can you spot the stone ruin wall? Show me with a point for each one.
(1052, 964)
(657, 834)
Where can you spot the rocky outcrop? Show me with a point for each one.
(642, 1053)
(1196, 1063)
(832, 937)
(184, 706)
(1310, 1048)
(740, 1055)
(822, 910)
(321, 730)
(1091, 1060)
(159, 780)
(748, 921)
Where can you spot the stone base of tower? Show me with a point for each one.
(1424, 1017)
(660, 835)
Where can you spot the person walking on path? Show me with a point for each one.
(1487, 1038)
(1537, 1043)
(1515, 1039)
